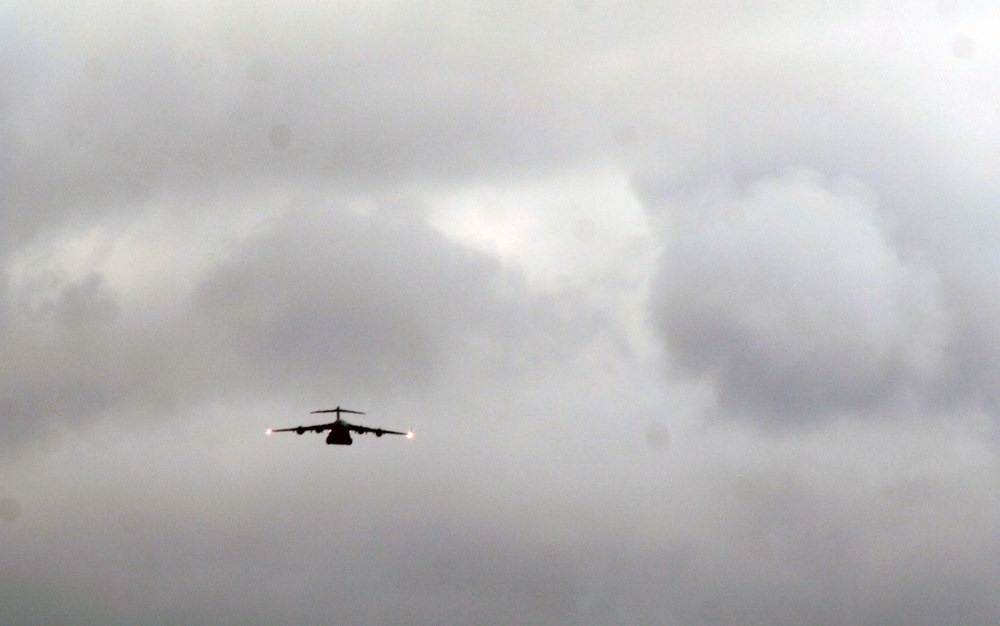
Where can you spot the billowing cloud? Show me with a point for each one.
(367, 301)
(795, 303)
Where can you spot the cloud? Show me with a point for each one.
(499, 225)
(372, 301)
(794, 302)
(321, 299)
(767, 533)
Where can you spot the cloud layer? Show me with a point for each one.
(692, 308)
(795, 303)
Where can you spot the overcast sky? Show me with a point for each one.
(693, 306)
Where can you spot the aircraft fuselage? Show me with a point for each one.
(339, 436)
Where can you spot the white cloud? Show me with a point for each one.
(565, 231)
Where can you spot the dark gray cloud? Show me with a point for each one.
(796, 304)
(368, 302)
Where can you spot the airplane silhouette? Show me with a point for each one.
(341, 429)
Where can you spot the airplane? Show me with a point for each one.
(340, 430)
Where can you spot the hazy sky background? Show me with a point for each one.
(694, 307)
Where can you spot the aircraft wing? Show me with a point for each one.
(377, 431)
(317, 428)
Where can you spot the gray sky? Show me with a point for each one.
(693, 309)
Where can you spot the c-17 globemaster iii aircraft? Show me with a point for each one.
(340, 430)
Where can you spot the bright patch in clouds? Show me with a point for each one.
(567, 230)
(149, 261)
